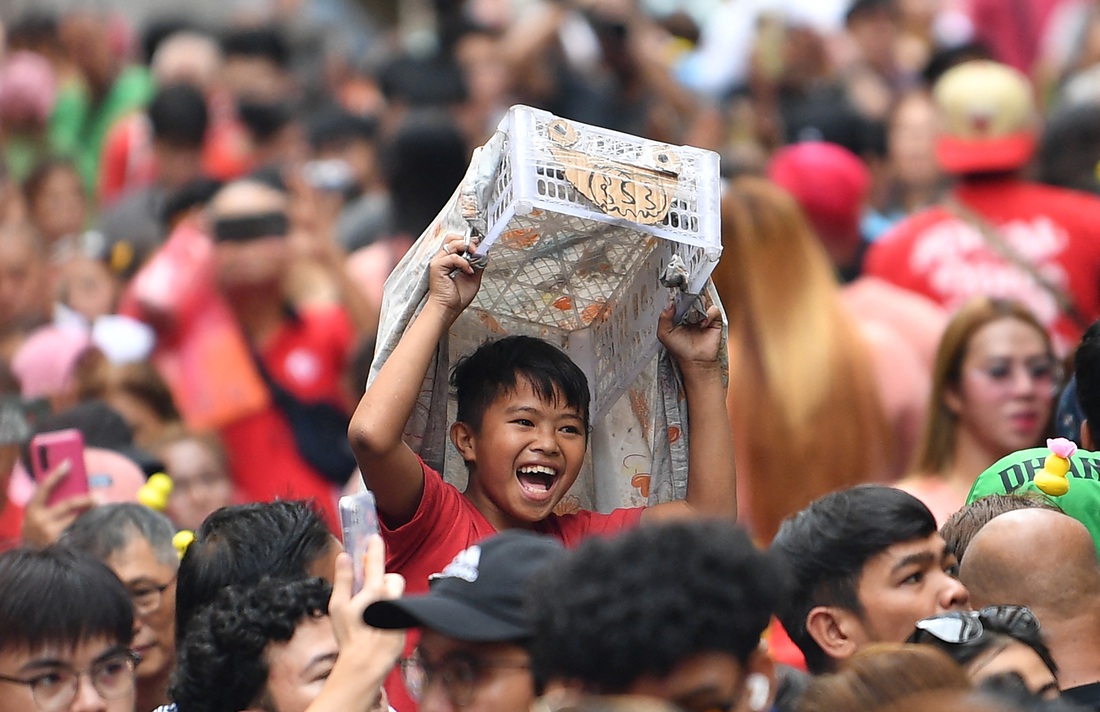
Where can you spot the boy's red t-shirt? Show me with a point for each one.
(445, 523)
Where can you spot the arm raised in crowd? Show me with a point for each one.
(390, 468)
(711, 487)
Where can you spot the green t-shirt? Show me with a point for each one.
(77, 129)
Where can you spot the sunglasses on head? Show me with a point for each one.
(961, 627)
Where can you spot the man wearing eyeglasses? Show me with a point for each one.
(136, 543)
(472, 654)
(866, 563)
(66, 625)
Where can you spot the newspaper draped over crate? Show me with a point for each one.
(585, 236)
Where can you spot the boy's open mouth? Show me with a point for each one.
(536, 479)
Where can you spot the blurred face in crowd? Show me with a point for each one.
(200, 482)
(298, 668)
(254, 78)
(86, 38)
(152, 587)
(1006, 387)
(474, 677)
(911, 143)
(256, 254)
(59, 207)
(875, 32)
(104, 681)
(22, 276)
(906, 582)
(87, 286)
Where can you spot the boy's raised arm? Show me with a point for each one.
(712, 485)
(390, 468)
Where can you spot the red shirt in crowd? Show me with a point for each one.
(306, 357)
(938, 254)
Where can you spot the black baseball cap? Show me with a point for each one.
(480, 596)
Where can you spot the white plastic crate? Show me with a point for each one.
(582, 223)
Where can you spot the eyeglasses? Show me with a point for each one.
(962, 627)
(146, 596)
(53, 691)
(459, 674)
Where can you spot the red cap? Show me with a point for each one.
(829, 182)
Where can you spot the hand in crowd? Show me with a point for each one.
(692, 345)
(43, 523)
(453, 280)
(366, 654)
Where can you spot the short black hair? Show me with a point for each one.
(423, 160)
(178, 116)
(193, 194)
(616, 610)
(1086, 369)
(335, 126)
(266, 42)
(220, 664)
(495, 367)
(825, 546)
(263, 118)
(62, 597)
(242, 544)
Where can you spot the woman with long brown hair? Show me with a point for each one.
(805, 406)
(993, 386)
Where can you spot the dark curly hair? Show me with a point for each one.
(241, 544)
(616, 610)
(220, 665)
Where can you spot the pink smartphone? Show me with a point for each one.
(48, 450)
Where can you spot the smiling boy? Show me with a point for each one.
(522, 430)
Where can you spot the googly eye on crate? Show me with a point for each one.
(582, 224)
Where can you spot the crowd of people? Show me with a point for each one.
(890, 395)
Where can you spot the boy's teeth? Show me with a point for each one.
(536, 470)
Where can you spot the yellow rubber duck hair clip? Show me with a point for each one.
(154, 493)
(1052, 478)
(183, 539)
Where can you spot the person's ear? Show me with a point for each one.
(1087, 442)
(463, 437)
(837, 631)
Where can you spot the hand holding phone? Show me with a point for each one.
(52, 449)
(359, 521)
